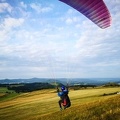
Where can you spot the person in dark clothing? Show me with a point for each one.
(64, 98)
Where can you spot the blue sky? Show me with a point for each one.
(47, 38)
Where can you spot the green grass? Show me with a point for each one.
(43, 105)
(6, 94)
(5, 90)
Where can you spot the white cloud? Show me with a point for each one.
(45, 45)
(39, 8)
(72, 20)
(70, 12)
(29, 45)
(97, 40)
(9, 23)
(5, 7)
(23, 5)
(98, 47)
(69, 21)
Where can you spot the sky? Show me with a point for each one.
(49, 39)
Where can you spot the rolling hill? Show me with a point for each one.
(87, 103)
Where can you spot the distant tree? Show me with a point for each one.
(29, 87)
(111, 84)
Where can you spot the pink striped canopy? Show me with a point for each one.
(95, 10)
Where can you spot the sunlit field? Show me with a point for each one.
(43, 104)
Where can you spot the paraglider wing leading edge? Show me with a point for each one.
(95, 10)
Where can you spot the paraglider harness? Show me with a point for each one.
(64, 98)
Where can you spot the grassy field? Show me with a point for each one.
(87, 104)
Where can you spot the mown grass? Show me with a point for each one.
(106, 109)
(87, 104)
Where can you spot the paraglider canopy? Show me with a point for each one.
(95, 10)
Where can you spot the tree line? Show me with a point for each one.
(27, 87)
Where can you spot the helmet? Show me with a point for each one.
(63, 88)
